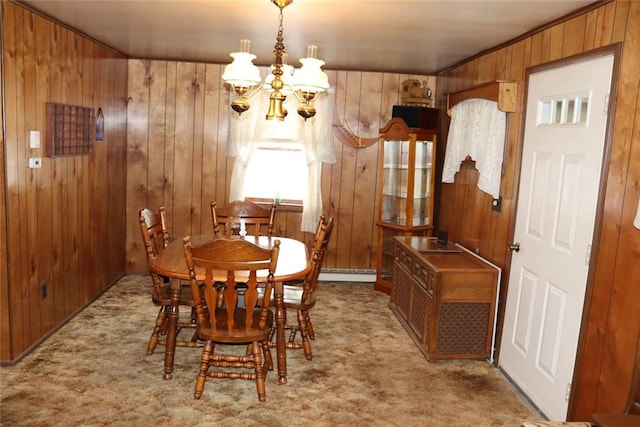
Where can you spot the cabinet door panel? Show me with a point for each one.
(462, 328)
(420, 309)
(401, 291)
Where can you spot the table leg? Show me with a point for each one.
(281, 346)
(170, 346)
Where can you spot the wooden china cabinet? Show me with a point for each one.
(407, 166)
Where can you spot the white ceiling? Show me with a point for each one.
(410, 36)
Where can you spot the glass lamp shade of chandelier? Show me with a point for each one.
(243, 76)
(308, 81)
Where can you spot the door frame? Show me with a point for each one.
(615, 50)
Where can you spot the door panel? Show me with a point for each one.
(562, 153)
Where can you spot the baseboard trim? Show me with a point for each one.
(347, 275)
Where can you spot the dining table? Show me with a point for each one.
(293, 263)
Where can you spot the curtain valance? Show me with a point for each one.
(477, 130)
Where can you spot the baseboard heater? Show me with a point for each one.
(347, 275)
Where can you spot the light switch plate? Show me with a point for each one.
(34, 139)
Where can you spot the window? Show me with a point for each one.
(277, 171)
(564, 110)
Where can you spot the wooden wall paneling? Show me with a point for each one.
(48, 229)
(107, 163)
(623, 336)
(225, 163)
(169, 119)
(469, 181)
(13, 287)
(365, 173)
(536, 52)
(95, 207)
(623, 333)
(155, 166)
(44, 218)
(183, 167)
(486, 68)
(546, 46)
(590, 26)
(346, 195)
(556, 41)
(170, 146)
(57, 181)
(112, 184)
(66, 175)
(138, 126)
(608, 331)
(197, 205)
(20, 243)
(5, 326)
(139, 138)
(574, 33)
(212, 148)
(116, 162)
(604, 26)
(480, 205)
(89, 213)
(5, 321)
(620, 21)
(30, 222)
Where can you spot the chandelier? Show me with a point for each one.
(304, 83)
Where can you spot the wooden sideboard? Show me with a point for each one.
(444, 297)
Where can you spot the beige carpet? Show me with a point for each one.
(366, 371)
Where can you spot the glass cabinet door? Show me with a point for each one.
(386, 253)
(422, 184)
(406, 188)
(395, 179)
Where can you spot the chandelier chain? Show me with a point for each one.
(279, 48)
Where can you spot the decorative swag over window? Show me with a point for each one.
(477, 130)
(251, 127)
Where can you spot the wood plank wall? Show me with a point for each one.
(177, 156)
(611, 325)
(64, 224)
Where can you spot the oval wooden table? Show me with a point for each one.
(293, 263)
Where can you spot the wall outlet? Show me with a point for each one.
(34, 139)
(496, 204)
(35, 162)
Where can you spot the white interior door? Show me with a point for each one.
(561, 166)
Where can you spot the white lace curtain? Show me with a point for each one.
(477, 130)
(315, 134)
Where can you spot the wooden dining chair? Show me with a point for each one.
(155, 236)
(230, 219)
(231, 323)
(301, 297)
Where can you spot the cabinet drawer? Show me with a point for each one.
(423, 276)
(403, 258)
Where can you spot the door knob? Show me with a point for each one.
(515, 247)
